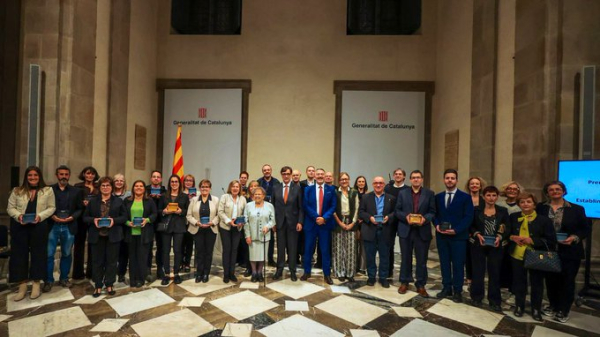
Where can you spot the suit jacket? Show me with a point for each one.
(390, 189)
(268, 186)
(17, 203)
(178, 223)
(311, 207)
(502, 223)
(117, 212)
(150, 213)
(304, 185)
(193, 213)
(541, 231)
(404, 207)
(574, 222)
(75, 200)
(225, 209)
(368, 208)
(292, 210)
(459, 214)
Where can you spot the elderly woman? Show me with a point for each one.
(491, 221)
(260, 217)
(203, 224)
(570, 220)
(231, 206)
(177, 226)
(243, 249)
(121, 191)
(139, 233)
(29, 205)
(529, 230)
(105, 240)
(344, 241)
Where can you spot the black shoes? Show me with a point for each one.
(444, 293)
(341, 279)
(97, 292)
(370, 282)
(248, 272)
(260, 278)
(165, 281)
(457, 298)
(519, 311)
(536, 315)
(177, 279)
(233, 278)
(293, 277)
(186, 269)
(385, 283)
(277, 275)
(254, 278)
(496, 308)
(225, 279)
(198, 278)
(328, 279)
(561, 317)
(305, 277)
(110, 290)
(204, 278)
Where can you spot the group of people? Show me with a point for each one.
(483, 229)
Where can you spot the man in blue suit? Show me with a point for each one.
(415, 209)
(319, 205)
(453, 218)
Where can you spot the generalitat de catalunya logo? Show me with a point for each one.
(383, 116)
(202, 113)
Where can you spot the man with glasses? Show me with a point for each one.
(415, 210)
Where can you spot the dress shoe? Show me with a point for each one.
(496, 307)
(519, 311)
(328, 279)
(165, 281)
(248, 272)
(403, 288)
(444, 293)
(254, 278)
(422, 292)
(110, 290)
(233, 278)
(260, 278)
(370, 282)
(457, 298)
(341, 279)
(47, 286)
(385, 283)
(204, 278)
(277, 275)
(305, 277)
(293, 277)
(226, 279)
(149, 279)
(476, 303)
(198, 279)
(97, 292)
(177, 279)
(139, 284)
(36, 290)
(65, 283)
(350, 279)
(21, 293)
(536, 314)
(186, 269)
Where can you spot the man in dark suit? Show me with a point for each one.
(155, 185)
(319, 205)
(394, 187)
(415, 209)
(287, 200)
(454, 209)
(63, 227)
(377, 234)
(310, 177)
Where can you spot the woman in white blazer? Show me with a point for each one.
(203, 224)
(33, 199)
(231, 206)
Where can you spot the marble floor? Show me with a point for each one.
(281, 308)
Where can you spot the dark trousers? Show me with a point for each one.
(104, 262)
(380, 245)
(536, 281)
(452, 254)
(324, 236)
(300, 245)
(79, 253)
(506, 279)
(187, 249)
(490, 258)
(205, 243)
(244, 253)
(177, 240)
(561, 286)
(469, 264)
(159, 255)
(230, 239)
(25, 240)
(287, 239)
(123, 258)
(138, 260)
(414, 243)
(394, 225)
(271, 249)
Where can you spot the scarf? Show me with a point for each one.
(519, 251)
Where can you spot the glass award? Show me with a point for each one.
(204, 220)
(489, 240)
(28, 217)
(104, 222)
(137, 221)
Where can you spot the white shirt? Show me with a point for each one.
(317, 192)
(283, 188)
(448, 195)
(310, 182)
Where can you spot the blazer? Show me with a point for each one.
(502, 223)
(117, 212)
(75, 200)
(292, 210)
(353, 206)
(404, 207)
(193, 213)
(311, 208)
(368, 208)
(225, 210)
(150, 213)
(541, 231)
(459, 214)
(574, 222)
(253, 229)
(178, 223)
(46, 204)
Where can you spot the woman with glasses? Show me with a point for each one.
(231, 206)
(344, 243)
(260, 217)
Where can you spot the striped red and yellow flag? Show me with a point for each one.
(178, 155)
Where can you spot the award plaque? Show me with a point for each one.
(444, 226)
(240, 220)
(378, 218)
(172, 207)
(204, 220)
(561, 236)
(28, 217)
(137, 221)
(414, 219)
(63, 214)
(192, 190)
(155, 191)
(90, 197)
(104, 222)
(489, 240)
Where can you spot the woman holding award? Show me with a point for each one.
(29, 205)
(141, 214)
(231, 216)
(203, 221)
(260, 217)
(344, 243)
(105, 216)
(174, 206)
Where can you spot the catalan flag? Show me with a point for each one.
(178, 155)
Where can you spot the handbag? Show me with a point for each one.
(162, 225)
(542, 260)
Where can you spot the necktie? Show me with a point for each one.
(285, 194)
(321, 200)
(449, 200)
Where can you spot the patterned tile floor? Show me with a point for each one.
(282, 308)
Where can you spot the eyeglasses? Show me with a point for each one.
(344, 179)
(204, 186)
(285, 174)
(513, 189)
